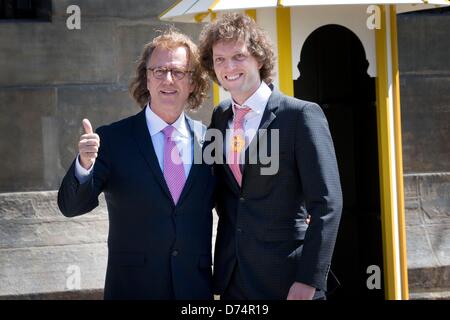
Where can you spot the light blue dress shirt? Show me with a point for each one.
(182, 136)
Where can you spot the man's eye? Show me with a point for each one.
(159, 72)
(177, 73)
(240, 57)
(218, 60)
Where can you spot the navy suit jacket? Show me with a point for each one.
(156, 249)
(262, 225)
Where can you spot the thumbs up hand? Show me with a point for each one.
(88, 145)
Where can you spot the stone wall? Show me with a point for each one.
(427, 210)
(41, 250)
(425, 90)
(425, 105)
(52, 77)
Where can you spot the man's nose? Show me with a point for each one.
(168, 76)
(229, 64)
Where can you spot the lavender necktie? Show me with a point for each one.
(173, 166)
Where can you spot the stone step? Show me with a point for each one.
(95, 294)
(436, 295)
(43, 253)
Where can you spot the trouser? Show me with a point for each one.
(235, 291)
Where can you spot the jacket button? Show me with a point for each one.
(174, 253)
(241, 199)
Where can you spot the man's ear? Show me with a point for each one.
(260, 65)
(192, 86)
(147, 81)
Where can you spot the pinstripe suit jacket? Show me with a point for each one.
(262, 225)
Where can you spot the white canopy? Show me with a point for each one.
(197, 10)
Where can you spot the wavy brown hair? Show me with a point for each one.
(236, 27)
(171, 39)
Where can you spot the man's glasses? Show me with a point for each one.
(160, 73)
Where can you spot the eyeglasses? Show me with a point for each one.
(160, 73)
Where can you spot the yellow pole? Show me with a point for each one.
(384, 155)
(284, 51)
(215, 87)
(399, 157)
(216, 94)
(251, 13)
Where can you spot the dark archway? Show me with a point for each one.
(333, 73)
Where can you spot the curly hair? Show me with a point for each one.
(237, 27)
(170, 39)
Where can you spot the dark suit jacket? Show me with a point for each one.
(262, 225)
(156, 250)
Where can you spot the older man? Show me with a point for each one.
(159, 201)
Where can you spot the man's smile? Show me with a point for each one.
(233, 77)
(168, 92)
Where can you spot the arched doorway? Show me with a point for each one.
(333, 73)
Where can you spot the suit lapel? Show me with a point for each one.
(145, 145)
(222, 122)
(222, 125)
(268, 117)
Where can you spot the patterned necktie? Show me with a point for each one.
(237, 143)
(173, 166)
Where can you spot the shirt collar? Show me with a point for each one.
(257, 101)
(156, 124)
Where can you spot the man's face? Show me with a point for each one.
(236, 69)
(168, 94)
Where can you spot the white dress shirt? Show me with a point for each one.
(257, 103)
(182, 137)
